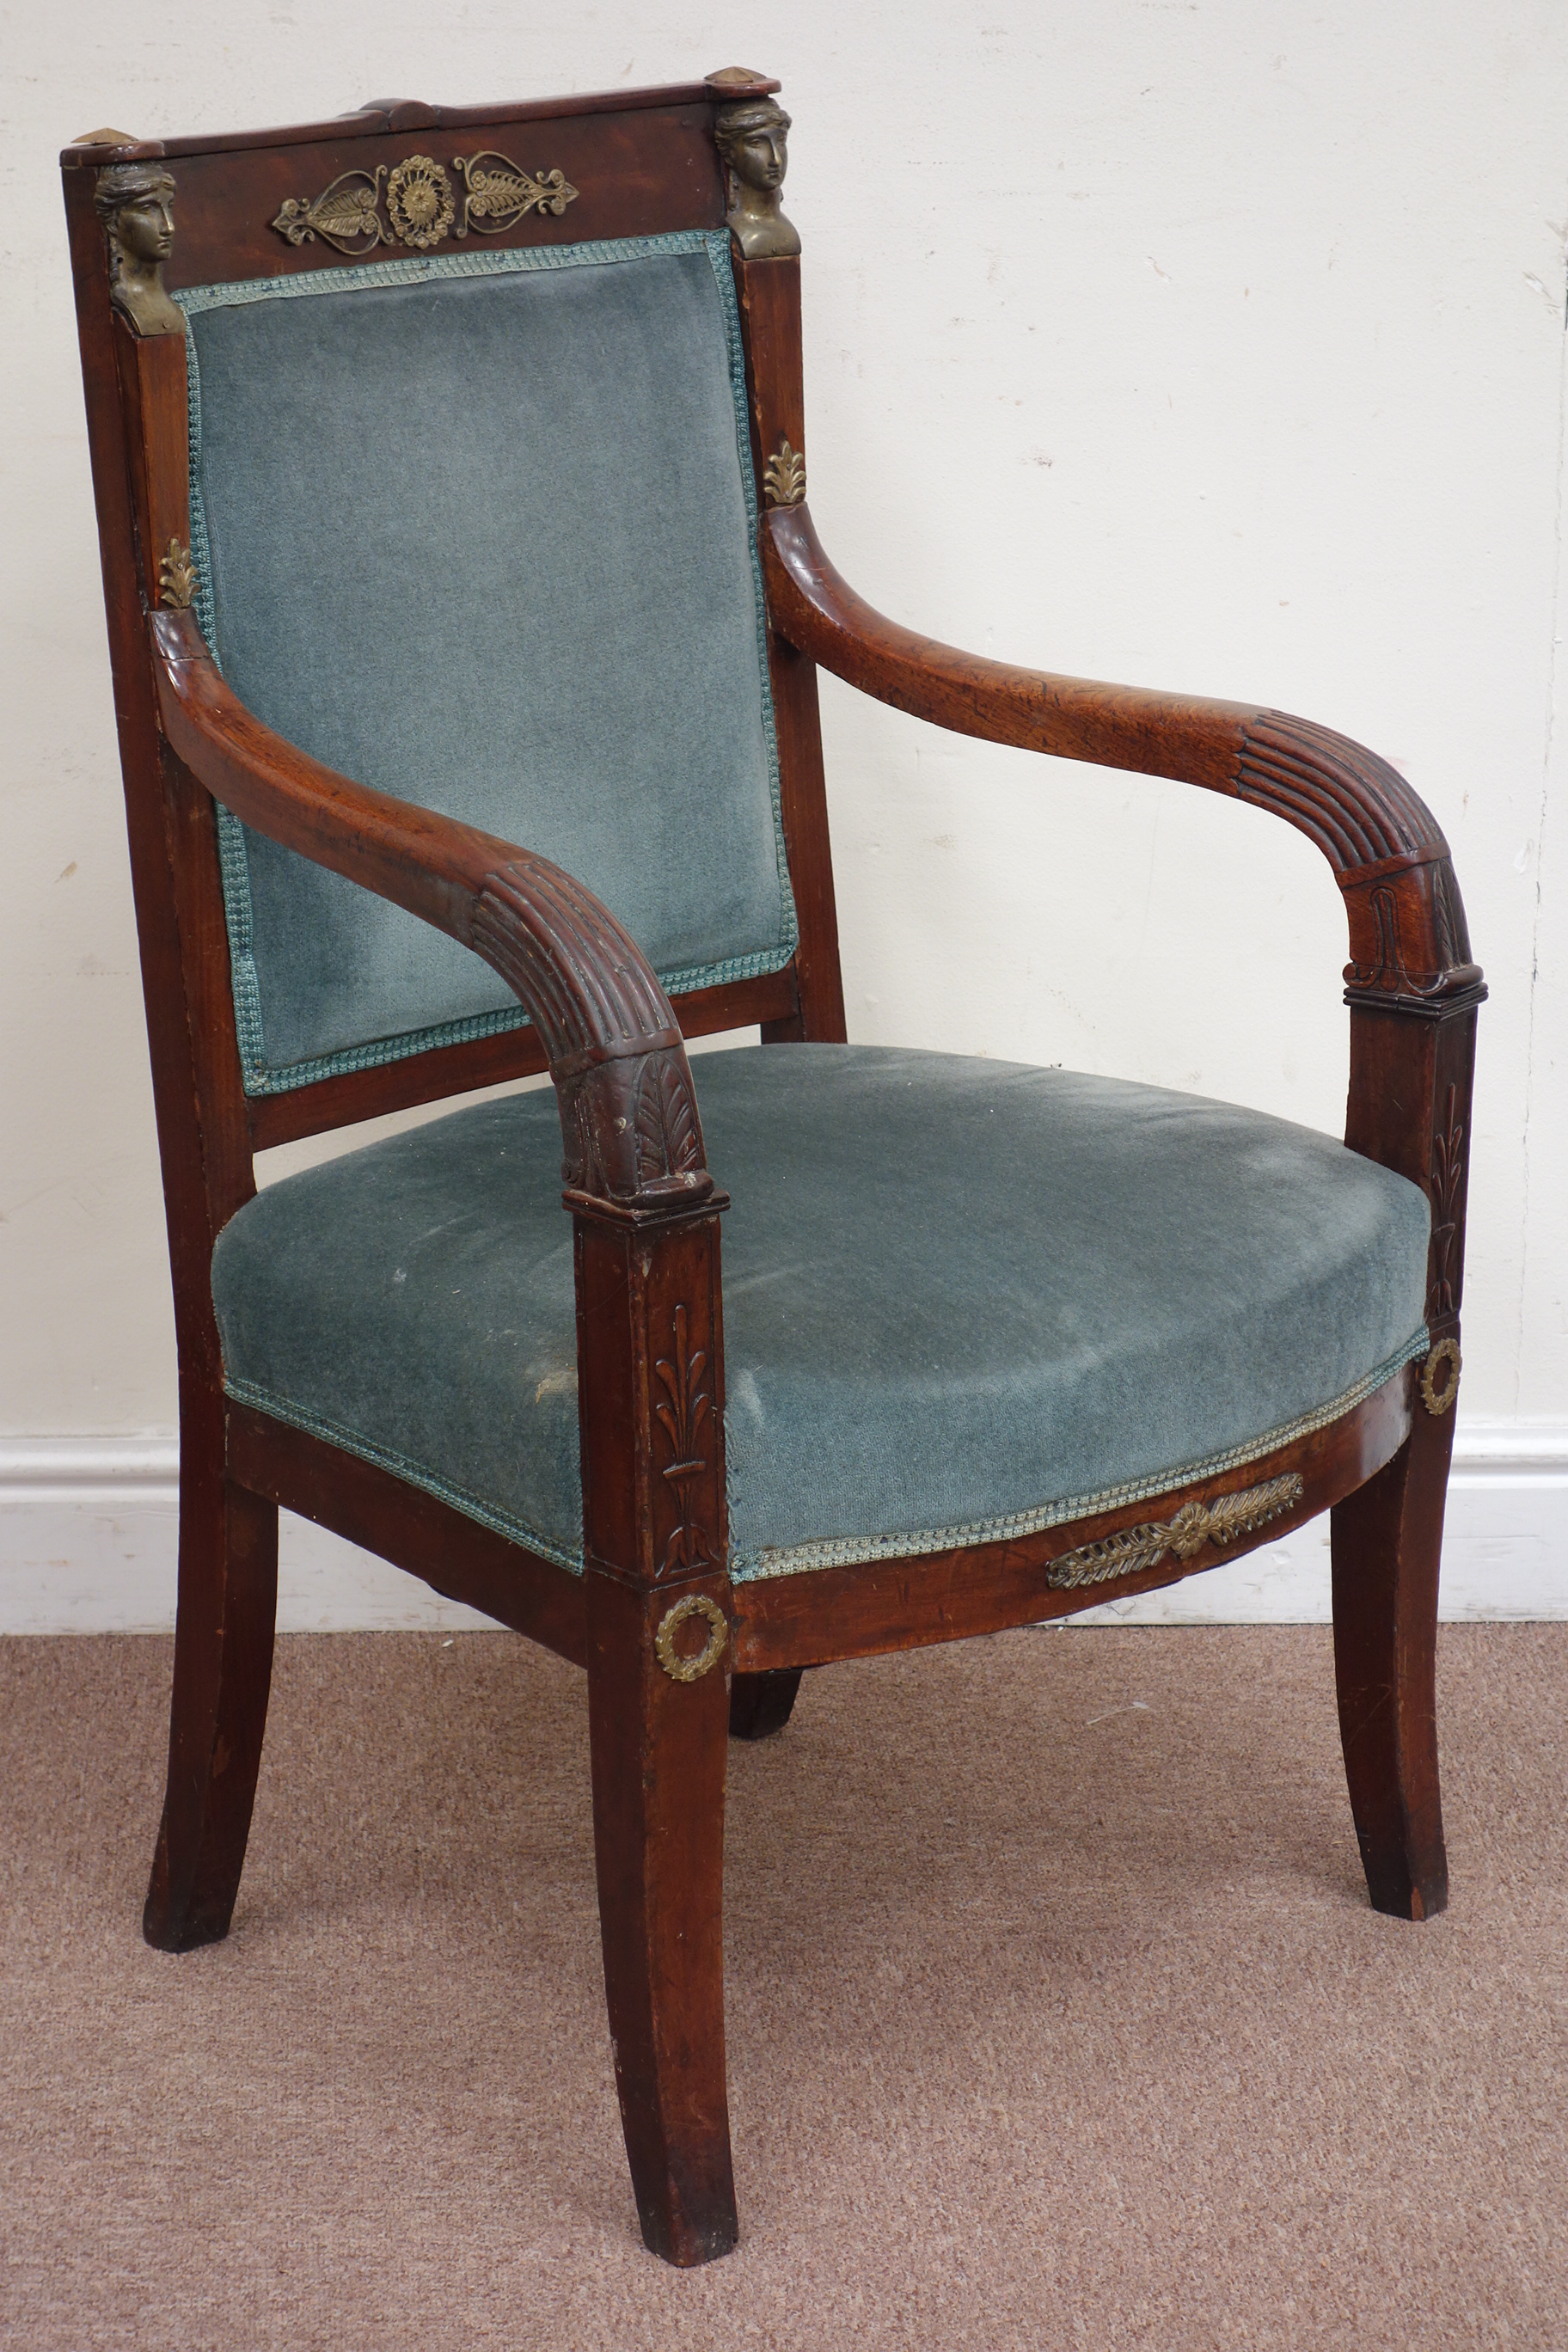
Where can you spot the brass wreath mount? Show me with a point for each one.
(691, 1670)
(1445, 1351)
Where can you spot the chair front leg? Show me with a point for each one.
(223, 1675)
(658, 1753)
(650, 1368)
(1386, 1539)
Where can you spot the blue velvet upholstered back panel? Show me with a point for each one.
(480, 530)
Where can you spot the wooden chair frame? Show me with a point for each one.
(676, 1656)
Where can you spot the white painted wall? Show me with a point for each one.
(1212, 344)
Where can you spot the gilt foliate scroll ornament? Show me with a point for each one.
(420, 201)
(1444, 1359)
(343, 215)
(1194, 1524)
(177, 578)
(422, 206)
(498, 192)
(784, 476)
(691, 1670)
(135, 203)
(753, 139)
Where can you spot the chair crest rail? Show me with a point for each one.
(628, 1109)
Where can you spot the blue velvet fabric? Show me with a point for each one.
(480, 530)
(962, 1299)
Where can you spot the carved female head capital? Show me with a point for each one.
(752, 137)
(135, 203)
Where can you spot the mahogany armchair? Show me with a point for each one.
(465, 612)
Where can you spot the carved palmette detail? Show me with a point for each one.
(1447, 1175)
(176, 578)
(422, 206)
(498, 192)
(1194, 1526)
(784, 477)
(683, 1413)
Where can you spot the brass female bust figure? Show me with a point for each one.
(751, 141)
(135, 203)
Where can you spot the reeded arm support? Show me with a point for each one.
(1408, 943)
(628, 1109)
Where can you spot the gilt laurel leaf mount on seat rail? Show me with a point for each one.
(1194, 1524)
(422, 205)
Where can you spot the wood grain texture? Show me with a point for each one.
(431, 1539)
(1386, 1542)
(1408, 939)
(769, 297)
(658, 1753)
(628, 1109)
(378, 117)
(223, 1671)
(639, 170)
(650, 1357)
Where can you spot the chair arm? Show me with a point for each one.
(628, 1109)
(1409, 940)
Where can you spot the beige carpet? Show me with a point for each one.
(1057, 2015)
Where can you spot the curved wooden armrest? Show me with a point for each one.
(1409, 940)
(628, 1109)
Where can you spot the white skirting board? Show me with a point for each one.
(88, 1544)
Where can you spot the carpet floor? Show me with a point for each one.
(1057, 2015)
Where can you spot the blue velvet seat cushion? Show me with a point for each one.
(479, 530)
(962, 1299)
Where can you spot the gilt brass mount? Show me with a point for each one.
(422, 206)
(691, 1670)
(784, 476)
(1445, 1355)
(135, 203)
(752, 135)
(177, 578)
(498, 193)
(1194, 1524)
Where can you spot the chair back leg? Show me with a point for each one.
(1386, 1540)
(761, 1705)
(658, 1753)
(223, 1674)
